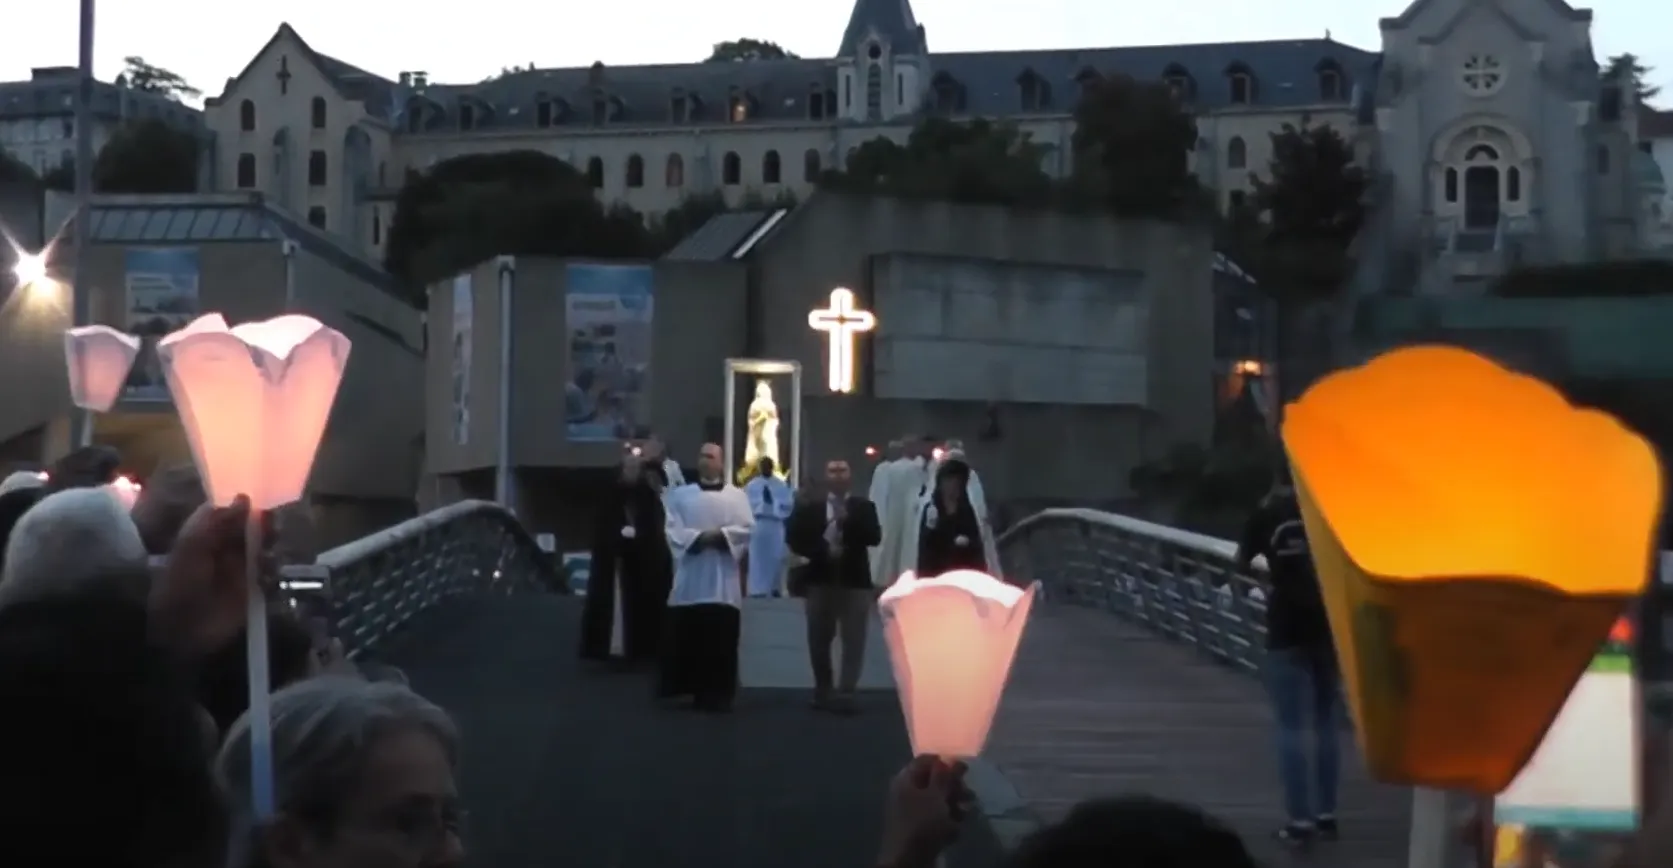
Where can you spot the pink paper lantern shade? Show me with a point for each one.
(254, 400)
(98, 359)
(952, 640)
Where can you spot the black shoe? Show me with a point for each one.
(1296, 834)
(1325, 826)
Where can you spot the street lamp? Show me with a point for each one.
(30, 269)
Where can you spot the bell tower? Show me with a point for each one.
(883, 62)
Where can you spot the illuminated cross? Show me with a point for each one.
(842, 323)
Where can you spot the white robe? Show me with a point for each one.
(710, 575)
(899, 492)
(766, 542)
(978, 503)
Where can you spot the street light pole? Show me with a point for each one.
(81, 291)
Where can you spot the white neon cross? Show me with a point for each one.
(842, 324)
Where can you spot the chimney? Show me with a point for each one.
(420, 80)
(406, 79)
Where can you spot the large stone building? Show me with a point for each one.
(38, 123)
(328, 139)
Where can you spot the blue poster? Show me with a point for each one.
(607, 313)
(162, 288)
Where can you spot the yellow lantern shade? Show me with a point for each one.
(254, 401)
(98, 359)
(1475, 538)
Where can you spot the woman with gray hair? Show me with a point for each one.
(363, 776)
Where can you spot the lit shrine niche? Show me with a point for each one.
(842, 323)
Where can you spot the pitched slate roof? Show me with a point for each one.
(729, 236)
(1285, 73)
(350, 81)
(891, 21)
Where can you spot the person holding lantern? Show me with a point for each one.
(1301, 672)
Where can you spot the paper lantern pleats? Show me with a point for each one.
(1476, 538)
(98, 359)
(952, 640)
(254, 401)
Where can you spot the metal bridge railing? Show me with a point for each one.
(1182, 584)
(374, 586)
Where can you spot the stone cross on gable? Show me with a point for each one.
(283, 75)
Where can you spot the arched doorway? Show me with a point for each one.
(1482, 187)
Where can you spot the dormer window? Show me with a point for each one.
(739, 107)
(1331, 87)
(1180, 83)
(1241, 83)
(1035, 91)
(679, 108)
(821, 103)
(548, 112)
(949, 95)
(467, 117)
(603, 112)
(1087, 77)
(418, 115)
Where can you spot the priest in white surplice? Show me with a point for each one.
(709, 524)
(895, 486)
(770, 501)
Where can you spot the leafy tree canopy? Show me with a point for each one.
(14, 170)
(474, 207)
(1133, 142)
(1312, 205)
(977, 162)
(740, 50)
(1628, 68)
(146, 156)
(141, 76)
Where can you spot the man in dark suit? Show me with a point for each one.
(833, 534)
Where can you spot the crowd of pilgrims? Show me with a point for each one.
(125, 742)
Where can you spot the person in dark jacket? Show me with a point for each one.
(949, 530)
(833, 533)
(632, 569)
(1301, 673)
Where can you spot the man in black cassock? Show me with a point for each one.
(632, 570)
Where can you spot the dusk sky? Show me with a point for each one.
(466, 42)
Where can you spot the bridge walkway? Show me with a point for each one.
(1100, 705)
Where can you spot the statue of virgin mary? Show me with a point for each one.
(762, 440)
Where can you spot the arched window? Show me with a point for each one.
(247, 116)
(731, 169)
(1330, 83)
(635, 171)
(770, 168)
(1240, 82)
(317, 109)
(1237, 153)
(874, 91)
(595, 173)
(467, 117)
(246, 171)
(810, 166)
(317, 169)
(674, 174)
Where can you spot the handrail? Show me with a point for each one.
(375, 586)
(1182, 584)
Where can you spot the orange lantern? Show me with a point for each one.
(1476, 538)
(952, 640)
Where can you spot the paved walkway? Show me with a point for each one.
(1098, 705)
(565, 764)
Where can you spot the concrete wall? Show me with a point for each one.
(371, 446)
(697, 322)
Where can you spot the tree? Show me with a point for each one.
(14, 170)
(1132, 143)
(1313, 205)
(977, 162)
(144, 77)
(741, 50)
(509, 70)
(147, 156)
(1624, 68)
(519, 203)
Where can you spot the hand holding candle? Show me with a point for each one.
(1475, 538)
(952, 640)
(254, 400)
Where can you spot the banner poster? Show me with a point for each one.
(607, 315)
(464, 311)
(162, 296)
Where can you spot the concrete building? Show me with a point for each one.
(329, 139)
(37, 117)
(158, 261)
(1064, 350)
